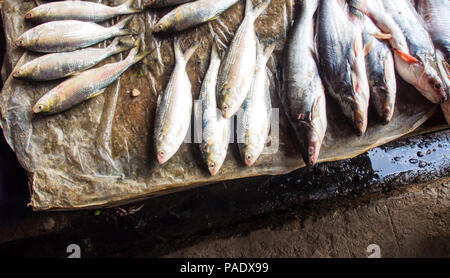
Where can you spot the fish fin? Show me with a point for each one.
(368, 47)
(360, 5)
(212, 18)
(126, 8)
(256, 11)
(382, 36)
(142, 55)
(443, 67)
(135, 50)
(97, 93)
(314, 55)
(118, 46)
(177, 49)
(405, 56)
(356, 48)
(122, 25)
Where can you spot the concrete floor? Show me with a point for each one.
(412, 222)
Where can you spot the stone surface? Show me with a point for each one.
(413, 222)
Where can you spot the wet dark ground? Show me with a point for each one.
(161, 225)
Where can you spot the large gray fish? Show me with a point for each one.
(164, 3)
(436, 14)
(86, 85)
(173, 112)
(341, 59)
(380, 71)
(303, 94)
(58, 65)
(192, 14)
(238, 66)
(69, 35)
(216, 129)
(414, 53)
(79, 10)
(254, 122)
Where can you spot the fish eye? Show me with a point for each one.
(437, 86)
(249, 156)
(162, 153)
(28, 14)
(212, 165)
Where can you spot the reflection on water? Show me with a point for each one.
(426, 153)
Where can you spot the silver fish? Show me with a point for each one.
(436, 14)
(192, 14)
(239, 63)
(216, 129)
(59, 65)
(341, 59)
(303, 94)
(86, 85)
(173, 112)
(79, 10)
(380, 72)
(254, 122)
(69, 35)
(414, 53)
(164, 3)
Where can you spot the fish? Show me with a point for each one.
(341, 60)
(79, 10)
(380, 72)
(59, 65)
(414, 52)
(302, 93)
(174, 107)
(255, 119)
(238, 65)
(192, 14)
(86, 85)
(69, 35)
(164, 3)
(216, 129)
(437, 21)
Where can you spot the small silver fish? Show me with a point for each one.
(303, 94)
(254, 123)
(86, 85)
(164, 3)
(69, 35)
(216, 129)
(238, 66)
(341, 59)
(192, 14)
(173, 112)
(380, 72)
(59, 65)
(79, 10)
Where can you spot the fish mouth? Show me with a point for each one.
(213, 170)
(162, 157)
(226, 111)
(249, 160)
(37, 108)
(29, 15)
(157, 28)
(360, 123)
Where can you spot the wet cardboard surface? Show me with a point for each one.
(100, 153)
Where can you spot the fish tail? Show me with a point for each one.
(265, 56)
(126, 8)
(118, 46)
(256, 11)
(134, 56)
(184, 57)
(121, 26)
(214, 52)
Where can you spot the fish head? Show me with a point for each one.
(26, 40)
(430, 84)
(165, 150)
(250, 155)
(228, 102)
(30, 15)
(21, 72)
(214, 154)
(164, 24)
(312, 146)
(46, 103)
